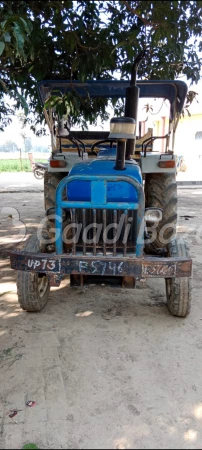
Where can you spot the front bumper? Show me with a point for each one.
(55, 266)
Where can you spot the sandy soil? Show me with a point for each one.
(132, 381)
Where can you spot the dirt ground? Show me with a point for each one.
(130, 382)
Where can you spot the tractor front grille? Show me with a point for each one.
(103, 232)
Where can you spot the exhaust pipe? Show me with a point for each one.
(132, 99)
(120, 155)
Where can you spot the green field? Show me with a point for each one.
(14, 165)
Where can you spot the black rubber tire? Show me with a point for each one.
(46, 177)
(51, 181)
(161, 192)
(27, 283)
(179, 290)
(38, 174)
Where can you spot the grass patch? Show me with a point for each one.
(29, 447)
(14, 165)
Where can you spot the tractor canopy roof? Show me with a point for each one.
(174, 91)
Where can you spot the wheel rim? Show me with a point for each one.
(42, 285)
(39, 174)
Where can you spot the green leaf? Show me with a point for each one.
(23, 102)
(19, 39)
(7, 37)
(2, 47)
(27, 25)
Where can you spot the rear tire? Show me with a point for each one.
(161, 192)
(178, 290)
(33, 288)
(51, 181)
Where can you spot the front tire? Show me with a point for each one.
(178, 290)
(33, 288)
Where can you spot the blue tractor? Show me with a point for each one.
(111, 207)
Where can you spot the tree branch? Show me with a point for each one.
(84, 46)
(135, 13)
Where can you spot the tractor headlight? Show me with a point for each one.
(153, 215)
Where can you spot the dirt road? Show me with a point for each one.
(20, 182)
(132, 381)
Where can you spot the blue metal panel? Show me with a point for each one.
(98, 193)
(107, 152)
(116, 192)
(61, 204)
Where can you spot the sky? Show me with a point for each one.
(12, 133)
